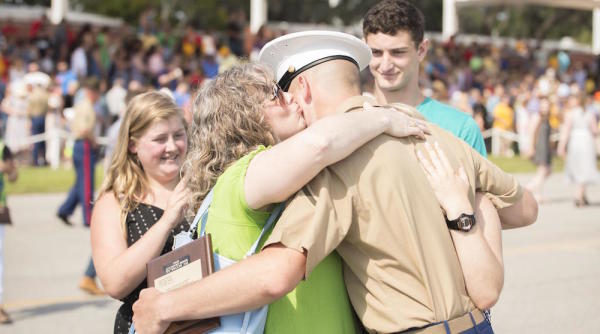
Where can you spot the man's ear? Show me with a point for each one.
(422, 50)
(304, 91)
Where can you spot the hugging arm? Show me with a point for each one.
(277, 173)
(480, 255)
(480, 249)
(246, 285)
(289, 256)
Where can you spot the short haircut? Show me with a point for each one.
(391, 16)
(91, 83)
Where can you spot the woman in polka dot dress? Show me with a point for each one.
(140, 206)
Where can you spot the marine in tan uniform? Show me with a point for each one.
(84, 160)
(36, 110)
(377, 209)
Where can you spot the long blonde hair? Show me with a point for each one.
(229, 122)
(125, 177)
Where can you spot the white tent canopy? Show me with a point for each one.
(29, 13)
(450, 16)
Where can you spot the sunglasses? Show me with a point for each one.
(276, 91)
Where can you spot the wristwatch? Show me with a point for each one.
(464, 222)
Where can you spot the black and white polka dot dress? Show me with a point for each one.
(138, 222)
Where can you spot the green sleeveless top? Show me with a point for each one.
(319, 304)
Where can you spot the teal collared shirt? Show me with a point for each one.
(459, 123)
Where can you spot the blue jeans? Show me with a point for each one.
(484, 327)
(38, 125)
(90, 271)
(82, 192)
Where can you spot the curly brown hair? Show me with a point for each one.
(229, 122)
(391, 16)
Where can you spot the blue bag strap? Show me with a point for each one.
(202, 214)
(272, 218)
(246, 322)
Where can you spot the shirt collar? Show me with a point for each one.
(356, 102)
(353, 103)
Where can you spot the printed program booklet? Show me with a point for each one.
(184, 265)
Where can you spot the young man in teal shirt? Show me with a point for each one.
(394, 31)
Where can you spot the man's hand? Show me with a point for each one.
(146, 313)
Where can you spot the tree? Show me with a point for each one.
(349, 11)
(527, 22)
(45, 3)
(201, 14)
(511, 21)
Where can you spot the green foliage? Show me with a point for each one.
(210, 13)
(129, 10)
(201, 14)
(45, 3)
(527, 22)
(521, 165)
(512, 21)
(349, 11)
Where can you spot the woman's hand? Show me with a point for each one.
(451, 188)
(400, 124)
(177, 203)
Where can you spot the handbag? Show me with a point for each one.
(5, 215)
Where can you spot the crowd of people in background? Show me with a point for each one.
(527, 91)
(503, 86)
(517, 88)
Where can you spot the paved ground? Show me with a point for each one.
(551, 286)
(552, 268)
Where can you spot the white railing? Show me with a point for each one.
(54, 139)
(497, 135)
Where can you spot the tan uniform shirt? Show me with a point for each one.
(377, 209)
(84, 121)
(38, 102)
